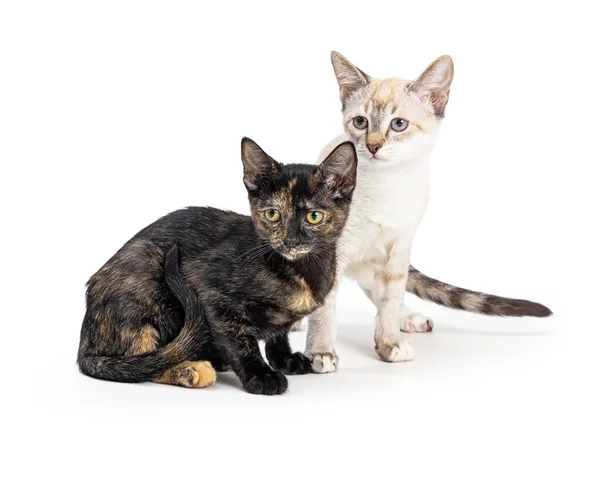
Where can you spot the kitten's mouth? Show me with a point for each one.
(370, 156)
(292, 253)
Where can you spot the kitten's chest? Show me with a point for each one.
(299, 294)
(396, 199)
(386, 209)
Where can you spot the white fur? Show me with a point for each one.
(387, 207)
(414, 322)
(388, 204)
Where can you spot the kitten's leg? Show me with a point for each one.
(248, 364)
(320, 337)
(388, 290)
(411, 322)
(189, 374)
(281, 358)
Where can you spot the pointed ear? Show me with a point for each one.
(257, 164)
(349, 78)
(433, 86)
(338, 171)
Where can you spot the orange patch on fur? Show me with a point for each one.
(189, 374)
(383, 94)
(387, 278)
(376, 139)
(302, 300)
(421, 128)
(144, 341)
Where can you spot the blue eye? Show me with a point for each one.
(399, 124)
(360, 122)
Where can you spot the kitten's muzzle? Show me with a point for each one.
(374, 147)
(293, 252)
(291, 242)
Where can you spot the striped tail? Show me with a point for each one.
(459, 298)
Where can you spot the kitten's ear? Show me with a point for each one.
(257, 164)
(433, 86)
(349, 78)
(338, 171)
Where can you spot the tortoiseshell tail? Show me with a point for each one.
(145, 367)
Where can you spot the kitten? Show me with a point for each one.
(393, 124)
(228, 280)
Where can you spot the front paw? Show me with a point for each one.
(395, 351)
(323, 362)
(297, 363)
(268, 382)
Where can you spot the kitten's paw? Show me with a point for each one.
(416, 323)
(199, 374)
(298, 326)
(189, 374)
(268, 383)
(395, 352)
(297, 363)
(324, 362)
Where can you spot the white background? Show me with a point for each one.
(114, 113)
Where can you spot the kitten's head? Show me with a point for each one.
(299, 208)
(392, 120)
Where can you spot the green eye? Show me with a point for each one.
(314, 217)
(399, 124)
(360, 122)
(272, 215)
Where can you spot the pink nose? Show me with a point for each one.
(373, 147)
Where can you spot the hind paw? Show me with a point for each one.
(416, 323)
(198, 374)
(190, 374)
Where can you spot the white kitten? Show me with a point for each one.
(393, 124)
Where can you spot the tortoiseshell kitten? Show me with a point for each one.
(196, 290)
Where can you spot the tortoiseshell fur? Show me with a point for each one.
(228, 280)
